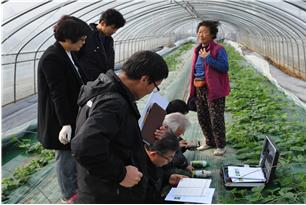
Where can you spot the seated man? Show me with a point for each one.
(176, 105)
(178, 123)
(159, 154)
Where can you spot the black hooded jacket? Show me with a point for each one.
(97, 55)
(107, 139)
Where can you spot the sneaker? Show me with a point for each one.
(219, 152)
(204, 147)
(201, 173)
(71, 200)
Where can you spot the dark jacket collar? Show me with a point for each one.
(93, 27)
(60, 48)
(121, 87)
(110, 83)
(124, 91)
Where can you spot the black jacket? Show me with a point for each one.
(178, 164)
(97, 55)
(107, 139)
(155, 183)
(58, 88)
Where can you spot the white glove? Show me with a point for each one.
(65, 134)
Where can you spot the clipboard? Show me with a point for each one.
(153, 120)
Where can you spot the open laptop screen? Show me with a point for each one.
(268, 159)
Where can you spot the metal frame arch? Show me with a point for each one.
(264, 12)
(26, 23)
(135, 21)
(303, 20)
(264, 20)
(24, 12)
(149, 28)
(275, 23)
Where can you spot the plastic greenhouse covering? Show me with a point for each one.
(274, 28)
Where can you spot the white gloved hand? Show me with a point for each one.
(65, 134)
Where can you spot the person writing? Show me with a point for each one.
(159, 154)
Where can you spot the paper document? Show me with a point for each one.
(192, 182)
(189, 191)
(154, 97)
(207, 199)
(192, 190)
(239, 174)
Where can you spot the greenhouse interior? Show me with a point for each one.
(264, 114)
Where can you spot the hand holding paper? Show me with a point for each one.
(174, 179)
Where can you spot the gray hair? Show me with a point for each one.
(176, 120)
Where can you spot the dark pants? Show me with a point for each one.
(211, 118)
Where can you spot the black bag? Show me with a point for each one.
(191, 103)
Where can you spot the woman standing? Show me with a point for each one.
(210, 84)
(59, 82)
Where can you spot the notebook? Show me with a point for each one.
(153, 120)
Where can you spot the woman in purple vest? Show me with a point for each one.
(210, 84)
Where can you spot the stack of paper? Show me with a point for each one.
(192, 190)
(246, 174)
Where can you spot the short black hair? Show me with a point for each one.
(146, 63)
(70, 27)
(177, 105)
(168, 143)
(112, 17)
(212, 25)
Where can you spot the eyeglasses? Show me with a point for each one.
(169, 159)
(157, 88)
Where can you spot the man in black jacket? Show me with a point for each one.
(97, 55)
(108, 145)
(59, 83)
(159, 154)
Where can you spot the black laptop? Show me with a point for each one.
(267, 164)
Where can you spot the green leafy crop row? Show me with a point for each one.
(173, 60)
(22, 174)
(258, 109)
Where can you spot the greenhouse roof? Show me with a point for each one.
(26, 25)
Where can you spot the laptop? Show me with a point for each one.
(266, 166)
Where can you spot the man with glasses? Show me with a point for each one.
(156, 87)
(108, 144)
(159, 154)
(178, 123)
